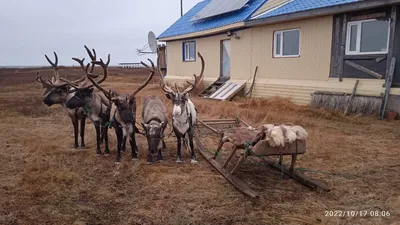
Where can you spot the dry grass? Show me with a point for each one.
(44, 181)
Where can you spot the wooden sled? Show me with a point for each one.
(240, 136)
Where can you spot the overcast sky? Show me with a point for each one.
(32, 28)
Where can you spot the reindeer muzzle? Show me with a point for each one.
(127, 116)
(154, 145)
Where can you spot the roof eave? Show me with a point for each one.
(204, 33)
(367, 4)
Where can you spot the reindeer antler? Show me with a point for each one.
(196, 78)
(152, 71)
(163, 84)
(54, 64)
(97, 84)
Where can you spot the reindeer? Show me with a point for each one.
(123, 114)
(58, 92)
(154, 122)
(96, 104)
(184, 112)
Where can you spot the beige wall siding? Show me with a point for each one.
(208, 47)
(299, 91)
(315, 50)
(254, 48)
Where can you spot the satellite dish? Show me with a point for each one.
(152, 41)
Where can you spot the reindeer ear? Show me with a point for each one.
(186, 95)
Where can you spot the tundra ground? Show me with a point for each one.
(43, 180)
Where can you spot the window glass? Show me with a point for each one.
(353, 38)
(291, 42)
(278, 44)
(374, 36)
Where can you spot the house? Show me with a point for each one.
(299, 46)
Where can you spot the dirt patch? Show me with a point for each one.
(44, 181)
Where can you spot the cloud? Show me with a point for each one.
(31, 29)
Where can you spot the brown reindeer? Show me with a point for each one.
(184, 112)
(154, 122)
(123, 114)
(57, 92)
(95, 103)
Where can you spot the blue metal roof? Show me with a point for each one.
(185, 26)
(303, 5)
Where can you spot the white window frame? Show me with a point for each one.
(186, 51)
(280, 55)
(358, 41)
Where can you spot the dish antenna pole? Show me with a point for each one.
(151, 43)
(181, 8)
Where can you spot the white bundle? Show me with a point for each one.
(279, 136)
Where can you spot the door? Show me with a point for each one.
(225, 60)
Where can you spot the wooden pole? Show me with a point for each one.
(389, 81)
(240, 185)
(351, 98)
(209, 127)
(252, 85)
(364, 69)
(181, 8)
(240, 120)
(303, 179)
(342, 47)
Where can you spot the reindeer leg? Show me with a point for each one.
(149, 158)
(119, 134)
(164, 146)
(194, 160)
(98, 137)
(123, 147)
(134, 147)
(159, 156)
(75, 123)
(83, 123)
(105, 136)
(179, 155)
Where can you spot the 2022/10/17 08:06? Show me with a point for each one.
(354, 213)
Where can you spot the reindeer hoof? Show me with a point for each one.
(117, 163)
(193, 161)
(149, 163)
(178, 161)
(107, 154)
(134, 159)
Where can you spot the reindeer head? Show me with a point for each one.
(57, 91)
(82, 93)
(154, 134)
(124, 106)
(179, 99)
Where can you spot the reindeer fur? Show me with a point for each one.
(154, 122)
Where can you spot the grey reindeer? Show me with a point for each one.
(95, 103)
(57, 92)
(154, 122)
(123, 114)
(184, 112)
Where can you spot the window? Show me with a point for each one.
(189, 51)
(367, 37)
(287, 43)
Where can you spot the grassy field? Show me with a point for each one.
(43, 180)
